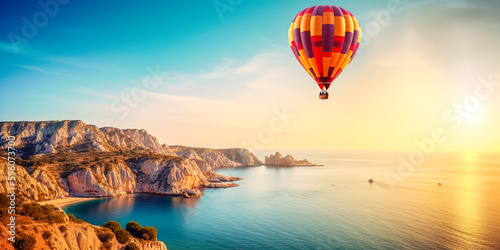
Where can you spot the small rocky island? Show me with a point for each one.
(277, 160)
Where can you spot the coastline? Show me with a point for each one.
(68, 201)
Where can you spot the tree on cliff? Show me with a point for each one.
(113, 225)
(121, 234)
(133, 228)
(146, 233)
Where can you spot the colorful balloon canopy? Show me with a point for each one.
(324, 39)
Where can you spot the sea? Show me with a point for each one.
(329, 207)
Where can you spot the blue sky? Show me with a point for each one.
(114, 36)
(93, 43)
(103, 45)
(224, 73)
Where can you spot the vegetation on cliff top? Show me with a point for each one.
(43, 213)
(132, 229)
(121, 234)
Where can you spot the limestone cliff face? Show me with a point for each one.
(219, 158)
(37, 186)
(287, 161)
(98, 180)
(153, 245)
(169, 176)
(101, 180)
(48, 137)
(71, 158)
(135, 139)
(161, 174)
(242, 156)
(52, 136)
(186, 152)
(213, 157)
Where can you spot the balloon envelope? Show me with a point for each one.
(324, 40)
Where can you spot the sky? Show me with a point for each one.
(221, 73)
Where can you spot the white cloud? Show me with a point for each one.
(21, 49)
(96, 93)
(262, 76)
(42, 70)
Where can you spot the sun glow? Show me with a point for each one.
(473, 117)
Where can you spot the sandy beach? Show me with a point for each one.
(68, 201)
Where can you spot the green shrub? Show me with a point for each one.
(74, 219)
(45, 213)
(122, 236)
(46, 235)
(146, 233)
(24, 242)
(134, 228)
(56, 217)
(113, 225)
(48, 208)
(150, 231)
(105, 235)
(132, 246)
(32, 209)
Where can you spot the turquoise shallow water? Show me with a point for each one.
(330, 207)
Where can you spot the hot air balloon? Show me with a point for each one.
(324, 40)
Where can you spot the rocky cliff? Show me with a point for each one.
(170, 175)
(135, 139)
(70, 235)
(102, 178)
(57, 159)
(219, 158)
(98, 174)
(70, 158)
(60, 175)
(53, 136)
(288, 161)
(49, 137)
(39, 185)
(241, 156)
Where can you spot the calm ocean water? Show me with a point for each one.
(330, 207)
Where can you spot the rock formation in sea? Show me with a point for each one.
(288, 161)
(57, 159)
